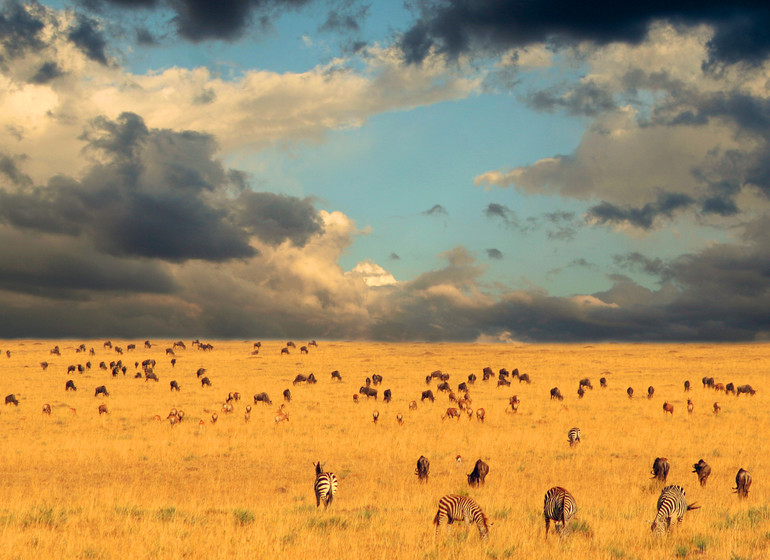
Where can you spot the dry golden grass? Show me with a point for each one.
(125, 485)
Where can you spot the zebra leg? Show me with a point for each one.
(547, 524)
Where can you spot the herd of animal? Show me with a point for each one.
(559, 504)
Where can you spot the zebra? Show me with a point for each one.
(559, 506)
(453, 507)
(573, 436)
(671, 504)
(325, 486)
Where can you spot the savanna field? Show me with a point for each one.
(125, 484)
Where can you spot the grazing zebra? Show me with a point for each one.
(461, 508)
(573, 436)
(559, 506)
(325, 486)
(742, 483)
(671, 504)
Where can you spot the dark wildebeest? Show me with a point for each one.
(660, 469)
(290, 344)
(174, 385)
(503, 373)
(650, 391)
(11, 399)
(101, 390)
(205, 382)
(580, 392)
(463, 387)
(444, 387)
(603, 382)
(703, 471)
(668, 408)
(81, 369)
(556, 394)
(423, 469)
(428, 395)
(303, 350)
(311, 379)
(524, 378)
(71, 369)
(173, 362)
(313, 343)
(585, 382)
(137, 375)
(428, 379)
(44, 365)
(437, 374)
(472, 378)
(630, 392)
(55, 351)
(387, 395)
(263, 398)
(150, 375)
(130, 347)
(480, 471)
(284, 350)
(103, 409)
(287, 395)
(336, 375)
(708, 382)
(147, 344)
(201, 372)
(742, 483)
(70, 386)
(730, 388)
(369, 392)
(299, 379)
(744, 389)
(169, 352)
(487, 373)
(502, 382)
(376, 379)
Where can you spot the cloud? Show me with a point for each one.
(85, 34)
(495, 254)
(435, 210)
(459, 28)
(666, 205)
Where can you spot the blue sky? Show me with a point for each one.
(475, 170)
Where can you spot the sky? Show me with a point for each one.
(432, 170)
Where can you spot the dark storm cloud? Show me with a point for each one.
(159, 194)
(637, 262)
(347, 17)
(48, 71)
(85, 34)
(582, 99)
(11, 171)
(644, 217)
(394, 257)
(495, 254)
(458, 27)
(19, 29)
(435, 210)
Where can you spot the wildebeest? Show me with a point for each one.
(487, 373)
(502, 382)
(428, 395)
(630, 392)
(147, 344)
(201, 372)
(150, 375)
(263, 398)
(173, 362)
(387, 395)
(70, 386)
(717, 408)
(101, 390)
(719, 387)
(708, 382)
(290, 344)
(660, 469)
(603, 382)
(580, 392)
(556, 394)
(376, 379)
(462, 387)
(233, 396)
(44, 365)
(174, 385)
(730, 388)
(650, 391)
(55, 351)
(287, 395)
(311, 379)
(11, 399)
(300, 378)
(169, 352)
(103, 409)
(585, 382)
(524, 378)
(472, 378)
(369, 392)
(742, 483)
(423, 469)
(444, 387)
(313, 343)
(480, 471)
(303, 350)
(668, 408)
(702, 470)
(687, 385)
(284, 350)
(205, 382)
(336, 375)
(744, 389)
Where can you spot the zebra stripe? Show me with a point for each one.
(671, 505)
(573, 436)
(559, 506)
(325, 486)
(453, 507)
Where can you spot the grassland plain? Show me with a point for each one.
(125, 485)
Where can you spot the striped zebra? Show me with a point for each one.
(559, 506)
(573, 436)
(671, 505)
(325, 486)
(453, 507)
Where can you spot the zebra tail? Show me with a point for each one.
(435, 519)
(693, 506)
